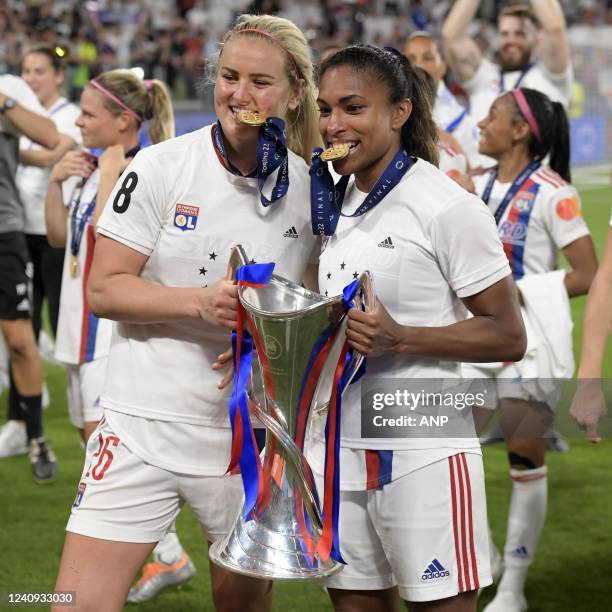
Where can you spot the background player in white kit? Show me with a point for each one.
(426, 276)
(538, 216)
(451, 117)
(159, 267)
(113, 108)
(533, 51)
(43, 71)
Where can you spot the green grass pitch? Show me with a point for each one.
(570, 574)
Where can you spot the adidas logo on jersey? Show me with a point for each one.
(387, 243)
(435, 570)
(291, 233)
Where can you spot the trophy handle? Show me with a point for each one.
(238, 257)
(367, 298)
(296, 457)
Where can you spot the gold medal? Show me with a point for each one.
(335, 152)
(250, 117)
(74, 266)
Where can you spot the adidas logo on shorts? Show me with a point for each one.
(387, 243)
(291, 233)
(435, 570)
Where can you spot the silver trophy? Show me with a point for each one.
(286, 322)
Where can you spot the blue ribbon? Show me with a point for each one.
(272, 155)
(456, 122)
(249, 458)
(78, 228)
(326, 198)
(512, 190)
(253, 275)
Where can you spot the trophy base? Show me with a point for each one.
(270, 546)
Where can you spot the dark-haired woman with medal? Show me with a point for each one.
(412, 498)
(159, 270)
(538, 215)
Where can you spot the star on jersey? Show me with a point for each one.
(328, 275)
(203, 271)
(355, 275)
(212, 256)
(342, 266)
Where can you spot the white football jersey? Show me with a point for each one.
(427, 244)
(543, 217)
(32, 181)
(15, 87)
(177, 204)
(489, 82)
(451, 117)
(81, 336)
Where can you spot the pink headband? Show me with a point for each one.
(115, 99)
(277, 43)
(521, 102)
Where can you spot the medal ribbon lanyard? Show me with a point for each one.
(518, 182)
(271, 155)
(77, 226)
(326, 198)
(524, 71)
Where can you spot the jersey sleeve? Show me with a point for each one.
(467, 246)
(18, 89)
(66, 125)
(485, 74)
(136, 208)
(564, 219)
(563, 81)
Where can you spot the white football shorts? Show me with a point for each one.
(425, 532)
(85, 384)
(122, 498)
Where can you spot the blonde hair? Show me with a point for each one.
(149, 100)
(303, 121)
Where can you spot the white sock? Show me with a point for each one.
(168, 550)
(525, 522)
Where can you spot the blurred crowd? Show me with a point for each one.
(171, 40)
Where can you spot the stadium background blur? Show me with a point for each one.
(171, 41)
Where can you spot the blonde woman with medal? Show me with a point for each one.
(538, 216)
(394, 213)
(159, 270)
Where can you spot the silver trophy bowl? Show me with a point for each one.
(286, 322)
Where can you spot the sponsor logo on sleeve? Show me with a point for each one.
(568, 209)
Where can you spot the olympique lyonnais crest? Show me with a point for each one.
(186, 217)
(523, 201)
